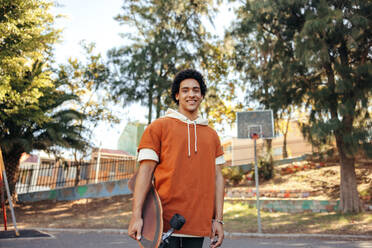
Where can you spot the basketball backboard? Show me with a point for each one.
(259, 122)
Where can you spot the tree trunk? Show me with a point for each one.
(150, 93)
(349, 196)
(158, 105)
(11, 163)
(285, 152)
(269, 144)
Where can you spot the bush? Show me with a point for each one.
(265, 170)
(234, 175)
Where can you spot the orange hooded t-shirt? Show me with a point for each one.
(185, 174)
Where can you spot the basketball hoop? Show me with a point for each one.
(255, 136)
(260, 122)
(256, 125)
(255, 131)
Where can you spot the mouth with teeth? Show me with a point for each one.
(192, 102)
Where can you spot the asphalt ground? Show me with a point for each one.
(82, 238)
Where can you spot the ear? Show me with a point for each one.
(177, 98)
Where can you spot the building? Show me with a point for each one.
(130, 137)
(111, 164)
(239, 152)
(35, 171)
(45, 172)
(109, 154)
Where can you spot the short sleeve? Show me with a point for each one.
(219, 150)
(147, 154)
(151, 138)
(220, 160)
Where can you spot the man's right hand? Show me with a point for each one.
(135, 228)
(141, 188)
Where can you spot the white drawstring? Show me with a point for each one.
(196, 137)
(188, 137)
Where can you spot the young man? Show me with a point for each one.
(184, 156)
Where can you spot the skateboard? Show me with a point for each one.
(152, 215)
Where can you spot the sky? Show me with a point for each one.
(93, 21)
(90, 20)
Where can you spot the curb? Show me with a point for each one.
(227, 234)
(79, 230)
(298, 235)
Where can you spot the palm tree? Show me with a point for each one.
(44, 124)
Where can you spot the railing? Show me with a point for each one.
(52, 175)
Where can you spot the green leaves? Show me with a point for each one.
(88, 83)
(318, 63)
(168, 36)
(25, 38)
(34, 112)
(308, 54)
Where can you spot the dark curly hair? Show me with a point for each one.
(186, 74)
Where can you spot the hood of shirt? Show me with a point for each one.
(198, 121)
(177, 115)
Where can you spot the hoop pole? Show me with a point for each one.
(257, 185)
(3, 209)
(8, 193)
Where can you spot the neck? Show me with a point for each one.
(190, 115)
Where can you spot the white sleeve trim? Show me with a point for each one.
(147, 154)
(220, 160)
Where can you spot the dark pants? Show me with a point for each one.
(184, 242)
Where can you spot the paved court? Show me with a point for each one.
(90, 239)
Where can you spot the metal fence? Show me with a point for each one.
(52, 175)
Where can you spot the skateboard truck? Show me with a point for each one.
(176, 223)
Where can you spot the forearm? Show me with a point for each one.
(219, 196)
(142, 186)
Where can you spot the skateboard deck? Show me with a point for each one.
(152, 215)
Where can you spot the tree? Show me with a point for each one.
(254, 59)
(169, 36)
(320, 53)
(283, 125)
(32, 112)
(45, 124)
(25, 37)
(88, 80)
(219, 109)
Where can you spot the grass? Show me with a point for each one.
(240, 218)
(115, 212)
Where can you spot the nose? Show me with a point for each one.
(191, 93)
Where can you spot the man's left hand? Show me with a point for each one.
(217, 235)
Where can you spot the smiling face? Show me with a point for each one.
(189, 97)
